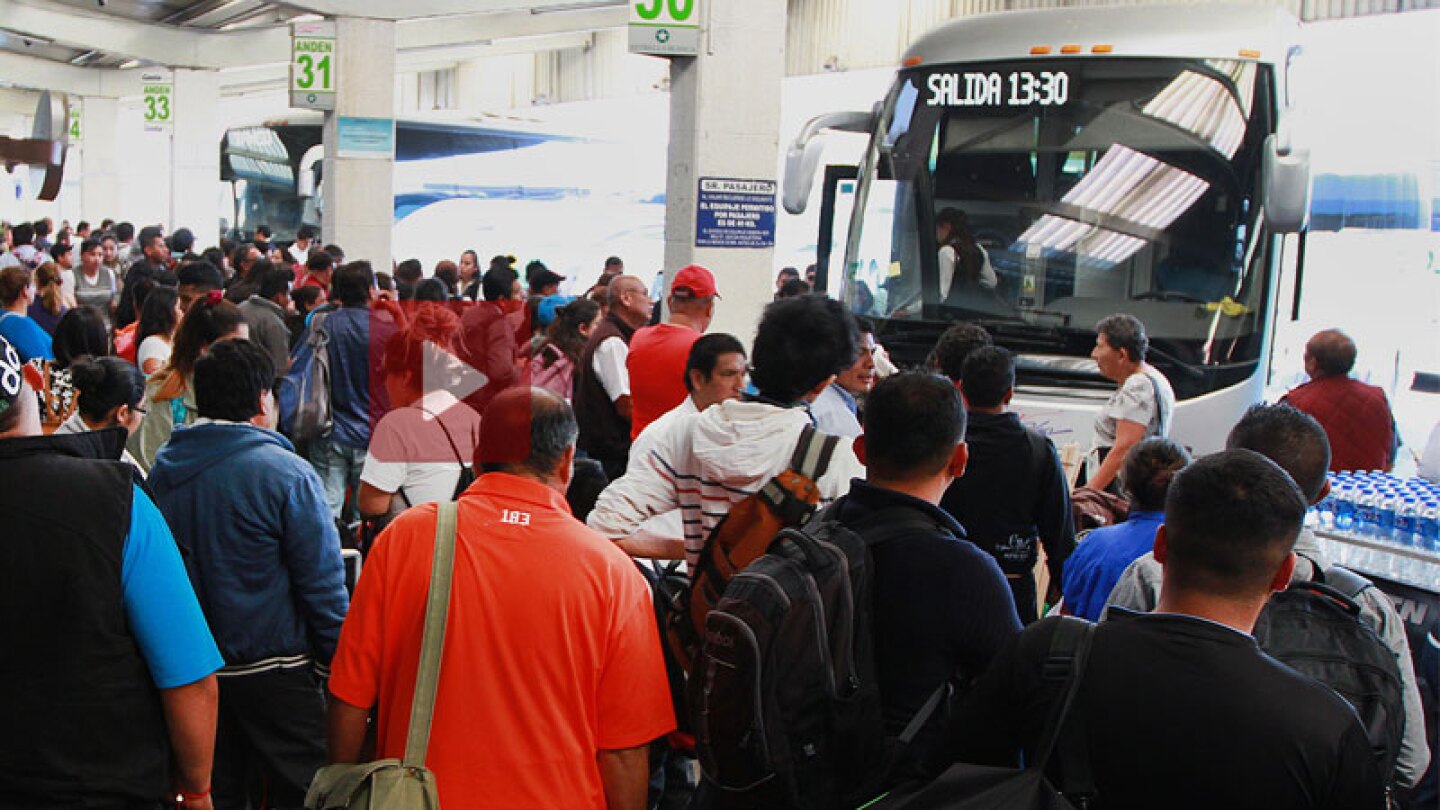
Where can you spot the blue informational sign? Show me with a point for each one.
(735, 213)
(365, 137)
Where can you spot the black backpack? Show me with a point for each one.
(983, 787)
(782, 695)
(1315, 627)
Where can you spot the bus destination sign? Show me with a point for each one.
(999, 88)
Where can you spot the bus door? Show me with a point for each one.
(837, 202)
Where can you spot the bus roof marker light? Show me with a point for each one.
(1249, 54)
(1102, 49)
(912, 61)
(1070, 49)
(1040, 50)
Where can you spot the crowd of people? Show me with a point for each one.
(190, 442)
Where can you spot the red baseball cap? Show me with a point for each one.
(694, 281)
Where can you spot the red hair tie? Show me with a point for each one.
(214, 297)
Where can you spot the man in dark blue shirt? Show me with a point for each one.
(1015, 498)
(942, 607)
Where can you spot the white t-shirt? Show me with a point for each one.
(609, 366)
(154, 347)
(948, 257)
(1135, 401)
(410, 450)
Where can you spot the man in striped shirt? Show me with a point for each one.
(705, 463)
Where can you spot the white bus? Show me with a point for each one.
(1134, 159)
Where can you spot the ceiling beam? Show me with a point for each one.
(174, 46)
(458, 30)
(273, 77)
(483, 27)
(44, 74)
(420, 9)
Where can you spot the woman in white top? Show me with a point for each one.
(1139, 408)
(960, 255)
(158, 319)
(110, 395)
(420, 450)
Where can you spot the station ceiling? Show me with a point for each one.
(116, 33)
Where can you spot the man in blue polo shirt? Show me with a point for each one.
(109, 664)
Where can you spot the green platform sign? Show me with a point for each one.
(157, 101)
(665, 27)
(314, 65)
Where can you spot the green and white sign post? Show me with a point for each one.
(665, 27)
(157, 101)
(314, 63)
(75, 126)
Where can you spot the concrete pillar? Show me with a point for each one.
(195, 156)
(359, 193)
(725, 123)
(99, 158)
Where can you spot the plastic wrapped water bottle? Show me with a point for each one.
(1387, 504)
(1367, 512)
(1345, 508)
(1428, 527)
(1407, 519)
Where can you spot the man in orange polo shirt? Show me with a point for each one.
(552, 683)
(658, 353)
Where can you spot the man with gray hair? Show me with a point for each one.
(603, 403)
(550, 646)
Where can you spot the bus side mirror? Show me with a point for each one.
(1287, 185)
(307, 179)
(802, 158)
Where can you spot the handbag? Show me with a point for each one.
(980, 787)
(402, 784)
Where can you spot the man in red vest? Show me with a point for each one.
(1356, 416)
(658, 353)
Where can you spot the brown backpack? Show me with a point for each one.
(741, 537)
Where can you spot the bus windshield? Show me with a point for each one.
(1036, 197)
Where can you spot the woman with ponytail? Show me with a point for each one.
(553, 366)
(170, 395)
(49, 303)
(110, 395)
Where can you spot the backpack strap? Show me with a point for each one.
(1342, 580)
(1064, 667)
(811, 459)
(454, 448)
(1159, 405)
(437, 609)
(923, 714)
(813, 453)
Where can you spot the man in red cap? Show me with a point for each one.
(658, 353)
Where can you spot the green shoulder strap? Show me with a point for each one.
(437, 608)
